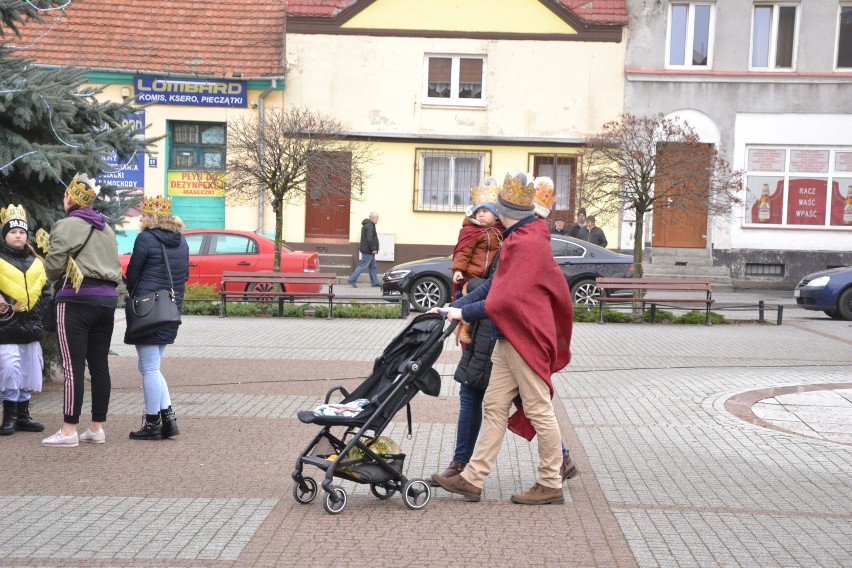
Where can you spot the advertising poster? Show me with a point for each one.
(196, 184)
(766, 195)
(806, 201)
(766, 159)
(809, 161)
(127, 176)
(841, 202)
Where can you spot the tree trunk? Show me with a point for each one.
(279, 234)
(638, 270)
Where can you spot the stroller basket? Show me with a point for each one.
(367, 471)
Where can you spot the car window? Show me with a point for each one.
(194, 242)
(232, 244)
(566, 248)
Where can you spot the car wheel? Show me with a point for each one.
(426, 293)
(585, 293)
(844, 304)
(261, 291)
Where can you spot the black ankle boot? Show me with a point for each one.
(25, 423)
(170, 427)
(151, 429)
(10, 418)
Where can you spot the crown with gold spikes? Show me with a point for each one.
(517, 193)
(485, 192)
(545, 196)
(157, 205)
(82, 190)
(14, 213)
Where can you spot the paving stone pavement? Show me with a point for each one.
(683, 436)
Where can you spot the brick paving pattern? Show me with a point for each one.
(672, 471)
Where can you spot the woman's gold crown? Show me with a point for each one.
(82, 190)
(157, 205)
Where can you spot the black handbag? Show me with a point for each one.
(152, 312)
(48, 312)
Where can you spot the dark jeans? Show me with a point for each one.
(470, 420)
(84, 332)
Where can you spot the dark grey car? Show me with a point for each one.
(428, 282)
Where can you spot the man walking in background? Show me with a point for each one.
(369, 248)
(592, 233)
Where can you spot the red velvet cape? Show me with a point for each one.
(530, 303)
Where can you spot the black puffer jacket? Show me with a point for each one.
(369, 237)
(474, 368)
(147, 272)
(23, 327)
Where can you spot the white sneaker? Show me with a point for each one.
(93, 437)
(62, 441)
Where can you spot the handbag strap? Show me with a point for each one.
(79, 250)
(168, 270)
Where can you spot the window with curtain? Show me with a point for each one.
(844, 37)
(444, 178)
(690, 34)
(773, 36)
(455, 79)
(197, 145)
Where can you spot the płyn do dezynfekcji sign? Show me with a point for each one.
(195, 92)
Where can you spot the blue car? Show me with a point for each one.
(828, 291)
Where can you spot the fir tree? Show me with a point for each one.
(52, 126)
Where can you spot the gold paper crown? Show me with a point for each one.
(157, 205)
(517, 193)
(545, 196)
(13, 212)
(82, 190)
(485, 192)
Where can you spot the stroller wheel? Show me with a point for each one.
(416, 494)
(330, 506)
(305, 491)
(382, 491)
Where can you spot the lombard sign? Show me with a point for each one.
(195, 92)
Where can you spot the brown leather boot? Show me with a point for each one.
(460, 485)
(452, 470)
(540, 495)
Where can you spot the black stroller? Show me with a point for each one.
(403, 369)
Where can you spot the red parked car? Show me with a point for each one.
(213, 251)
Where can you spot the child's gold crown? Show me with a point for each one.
(13, 212)
(485, 192)
(157, 205)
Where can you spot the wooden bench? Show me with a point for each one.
(645, 285)
(266, 286)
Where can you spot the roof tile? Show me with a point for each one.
(210, 37)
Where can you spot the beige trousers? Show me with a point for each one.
(510, 376)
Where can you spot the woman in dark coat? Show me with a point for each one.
(147, 272)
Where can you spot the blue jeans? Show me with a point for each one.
(15, 395)
(153, 383)
(367, 261)
(470, 420)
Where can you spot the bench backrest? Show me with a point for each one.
(656, 283)
(280, 277)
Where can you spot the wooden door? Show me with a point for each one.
(673, 226)
(327, 200)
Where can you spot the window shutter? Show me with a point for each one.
(470, 71)
(440, 69)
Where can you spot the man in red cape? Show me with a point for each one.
(528, 302)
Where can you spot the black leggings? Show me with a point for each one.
(85, 332)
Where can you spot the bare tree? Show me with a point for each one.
(642, 164)
(288, 153)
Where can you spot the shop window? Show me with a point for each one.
(444, 178)
(197, 146)
(799, 187)
(844, 37)
(773, 36)
(690, 34)
(455, 79)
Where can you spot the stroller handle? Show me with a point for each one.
(450, 328)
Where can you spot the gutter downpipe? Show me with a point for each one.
(261, 101)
